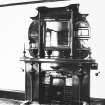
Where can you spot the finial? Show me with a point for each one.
(24, 52)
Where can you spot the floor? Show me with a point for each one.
(14, 102)
(9, 102)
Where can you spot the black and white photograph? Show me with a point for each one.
(52, 52)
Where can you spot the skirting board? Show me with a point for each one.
(20, 95)
(9, 94)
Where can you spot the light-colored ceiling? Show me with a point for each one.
(4, 3)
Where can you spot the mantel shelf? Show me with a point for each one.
(57, 60)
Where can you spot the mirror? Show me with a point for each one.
(57, 34)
